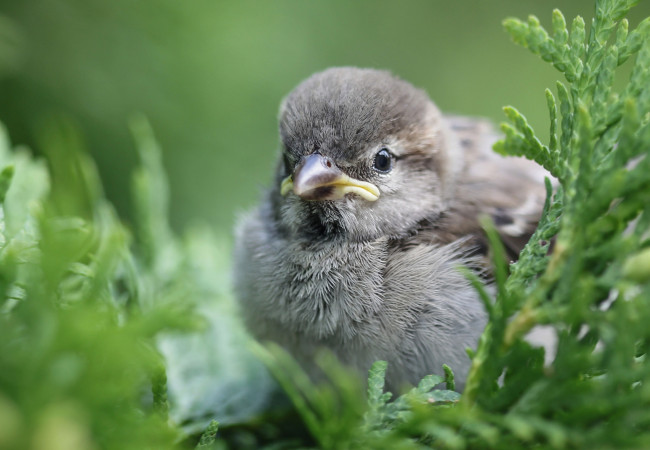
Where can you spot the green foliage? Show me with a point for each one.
(589, 288)
(337, 414)
(585, 275)
(83, 303)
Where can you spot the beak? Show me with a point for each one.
(317, 178)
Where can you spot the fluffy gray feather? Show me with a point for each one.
(378, 279)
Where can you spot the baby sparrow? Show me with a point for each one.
(375, 205)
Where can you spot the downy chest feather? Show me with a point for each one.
(326, 289)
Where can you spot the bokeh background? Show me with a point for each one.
(210, 74)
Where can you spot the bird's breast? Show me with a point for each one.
(324, 289)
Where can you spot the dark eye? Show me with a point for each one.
(383, 161)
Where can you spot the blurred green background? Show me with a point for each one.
(210, 75)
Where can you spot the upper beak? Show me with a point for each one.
(317, 178)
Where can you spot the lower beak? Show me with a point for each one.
(318, 178)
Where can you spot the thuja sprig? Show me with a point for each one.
(578, 273)
(597, 133)
(588, 64)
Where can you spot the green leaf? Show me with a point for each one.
(566, 112)
(637, 267)
(438, 395)
(376, 381)
(521, 141)
(517, 29)
(6, 176)
(429, 382)
(630, 44)
(449, 378)
(552, 110)
(151, 195)
(208, 437)
(560, 33)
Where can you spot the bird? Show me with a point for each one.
(375, 204)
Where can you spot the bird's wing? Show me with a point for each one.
(510, 190)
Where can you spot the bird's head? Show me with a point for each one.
(364, 154)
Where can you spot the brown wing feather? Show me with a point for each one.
(510, 190)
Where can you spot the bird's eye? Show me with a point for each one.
(383, 161)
